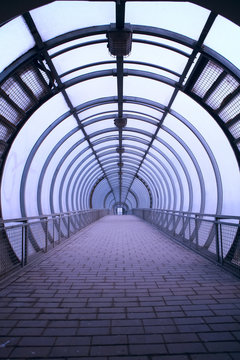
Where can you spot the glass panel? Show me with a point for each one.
(223, 38)
(92, 89)
(75, 42)
(63, 16)
(135, 143)
(147, 88)
(131, 133)
(151, 69)
(163, 41)
(136, 108)
(82, 56)
(132, 200)
(184, 18)
(16, 159)
(98, 111)
(157, 55)
(167, 172)
(86, 71)
(102, 136)
(187, 136)
(99, 125)
(60, 153)
(134, 154)
(223, 154)
(143, 125)
(140, 190)
(103, 156)
(35, 170)
(15, 45)
(99, 194)
(77, 178)
(112, 143)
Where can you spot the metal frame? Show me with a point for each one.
(41, 53)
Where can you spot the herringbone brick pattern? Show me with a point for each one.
(120, 290)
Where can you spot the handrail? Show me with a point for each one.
(47, 215)
(212, 235)
(221, 216)
(22, 240)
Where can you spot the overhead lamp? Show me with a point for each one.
(120, 164)
(120, 150)
(120, 122)
(120, 40)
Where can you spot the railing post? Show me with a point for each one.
(217, 240)
(60, 231)
(25, 243)
(53, 222)
(220, 244)
(196, 231)
(46, 234)
(68, 225)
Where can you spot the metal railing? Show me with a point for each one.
(217, 237)
(23, 240)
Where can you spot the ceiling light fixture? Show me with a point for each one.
(120, 40)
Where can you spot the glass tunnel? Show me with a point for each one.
(119, 105)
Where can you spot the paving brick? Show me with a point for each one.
(160, 329)
(223, 346)
(30, 352)
(26, 331)
(193, 328)
(135, 315)
(110, 350)
(71, 351)
(179, 338)
(59, 331)
(235, 356)
(192, 347)
(147, 349)
(93, 331)
(225, 326)
(5, 352)
(127, 358)
(128, 330)
(216, 336)
(171, 357)
(212, 357)
(72, 340)
(145, 339)
(109, 340)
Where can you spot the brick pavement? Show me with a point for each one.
(120, 290)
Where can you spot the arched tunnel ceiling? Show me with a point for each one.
(82, 128)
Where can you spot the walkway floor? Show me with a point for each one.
(119, 290)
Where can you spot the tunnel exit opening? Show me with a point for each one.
(120, 210)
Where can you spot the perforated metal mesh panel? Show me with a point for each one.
(5, 132)
(226, 87)
(8, 111)
(17, 94)
(33, 80)
(231, 110)
(235, 130)
(209, 75)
